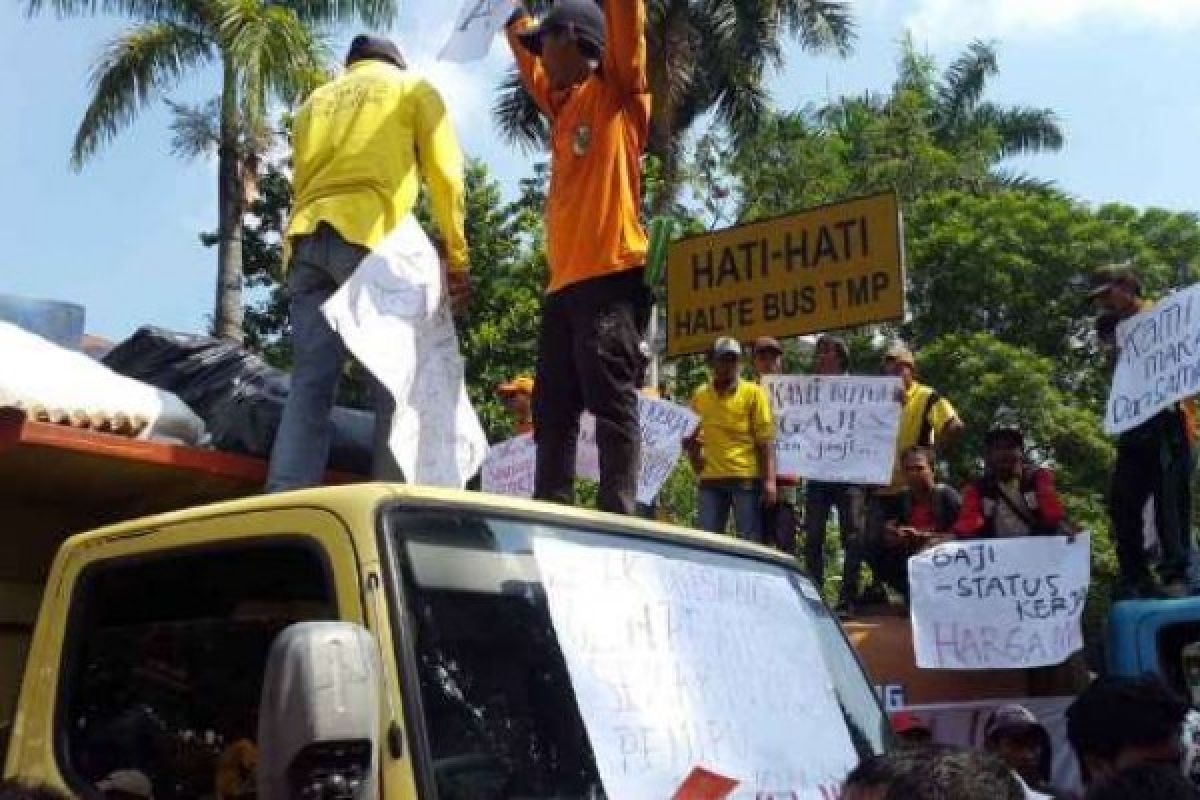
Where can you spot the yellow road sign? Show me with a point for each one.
(830, 267)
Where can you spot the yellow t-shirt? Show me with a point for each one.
(360, 145)
(732, 425)
(916, 415)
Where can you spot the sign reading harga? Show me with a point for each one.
(831, 267)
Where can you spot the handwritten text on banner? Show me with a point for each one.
(678, 663)
(835, 428)
(1158, 362)
(999, 603)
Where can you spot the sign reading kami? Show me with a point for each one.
(999, 603)
(1158, 361)
(509, 466)
(831, 267)
(837, 428)
(678, 663)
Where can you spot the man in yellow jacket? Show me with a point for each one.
(361, 144)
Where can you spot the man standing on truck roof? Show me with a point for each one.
(586, 69)
(926, 420)
(359, 146)
(1153, 461)
(779, 520)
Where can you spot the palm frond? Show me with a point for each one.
(1022, 182)
(195, 130)
(821, 25)
(914, 69)
(133, 68)
(377, 14)
(1022, 129)
(518, 116)
(964, 81)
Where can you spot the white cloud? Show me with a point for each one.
(954, 21)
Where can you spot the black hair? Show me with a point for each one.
(881, 771)
(1002, 437)
(840, 347)
(958, 775)
(918, 450)
(1146, 782)
(1118, 712)
(11, 790)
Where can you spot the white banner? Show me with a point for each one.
(392, 316)
(1158, 361)
(678, 663)
(836, 428)
(508, 468)
(478, 23)
(664, 425)
(999, 603)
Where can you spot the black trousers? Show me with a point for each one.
(1153, 460)
(590, 358)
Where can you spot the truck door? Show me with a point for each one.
(161, 657)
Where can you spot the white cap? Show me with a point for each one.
(130, 781)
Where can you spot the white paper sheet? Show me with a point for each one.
(477, 24)
(677, 664)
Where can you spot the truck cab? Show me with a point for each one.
(523, 651)
(1157, 636)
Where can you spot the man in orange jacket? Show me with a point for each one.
(586, 69)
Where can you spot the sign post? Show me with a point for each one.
(831, 267)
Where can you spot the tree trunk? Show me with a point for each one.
(231, 204)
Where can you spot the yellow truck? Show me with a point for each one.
(387, 641)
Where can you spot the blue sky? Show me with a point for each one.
(121, 237)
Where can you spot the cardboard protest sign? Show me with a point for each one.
(999, 603)
(839, 428)
(664, 425)
(1158, 361)
(678, 663)
(508, 468)
(477, 24)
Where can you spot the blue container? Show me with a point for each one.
(61, 323)
(1149, 635)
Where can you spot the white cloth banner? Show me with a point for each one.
(678, 663)
(392, 316)
(837, 428)
(478, 23)
(999, 603)
(664, 426)
(1158, 361)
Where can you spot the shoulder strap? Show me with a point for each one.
(925, 437)
(1023, 513)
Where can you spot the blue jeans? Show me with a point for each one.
(320, 263)
(717, 497)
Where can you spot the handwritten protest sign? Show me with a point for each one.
(508, 468)
(835, 428)
(478, 23)
(999, 603)
(664, 425)
(1158, 361)
(678, 664)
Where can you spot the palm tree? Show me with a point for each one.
(704, 55)
(266, 50)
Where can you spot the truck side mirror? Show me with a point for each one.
(319, 720)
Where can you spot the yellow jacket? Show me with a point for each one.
(361, 143)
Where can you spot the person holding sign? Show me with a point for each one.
(1153, 461)
(926, 420)
(733, 448)
(1012, 498)
(586, 70)
(832, 357)
(779, 520)
(921, 516)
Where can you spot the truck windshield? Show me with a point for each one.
(558, 662)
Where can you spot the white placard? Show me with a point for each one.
(1158, 361)
(677, 664)
(999, 603)
(663, 424)
(477, 24)
(836, 428)
(509, 466)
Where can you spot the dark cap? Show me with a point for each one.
(1007, 434)
(583, 18)
(767, 344)
(1105, 278)
(1011, 718)
(375, 48)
